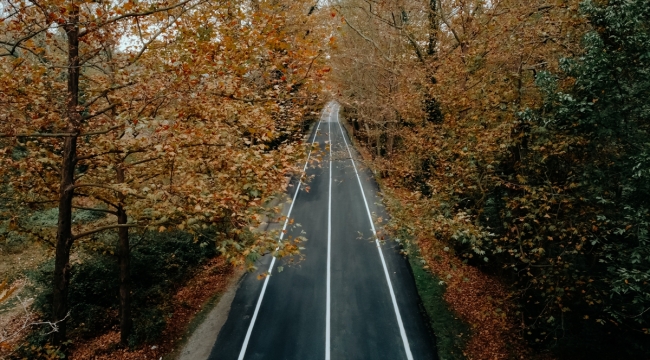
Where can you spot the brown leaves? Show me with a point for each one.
(187, 301)
(6, 290)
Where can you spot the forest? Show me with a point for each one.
(512, 138)
(143, 143)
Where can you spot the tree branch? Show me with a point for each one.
(94, 185)
(143, 161)
(105, 92)
(310, 65)
(102, 228)
(67, 134)
(107, 202)
(101, 132)
(86, 157)
(107, 188)
(23, 39)
(95, 209)
(367, 39)
(86, 117)
(39, 135)
(137, 14)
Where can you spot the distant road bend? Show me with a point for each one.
(352, 297)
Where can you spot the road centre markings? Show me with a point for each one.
(330, 111)
(329, 247)
(266, 281)
(407, 348)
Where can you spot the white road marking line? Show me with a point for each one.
(329, 248)
(402, 332)
(266, 281)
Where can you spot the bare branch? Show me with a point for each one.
(130, 15)
(68, 134)
(310, 65)
(100, 154)
(104, 200)
(96, 209)
(86, 117)
(106, 91)
(143, 161)
(39, 135)
(23, 39)
(101, 132)
(107, 188)
(102, 228)
(367, 39)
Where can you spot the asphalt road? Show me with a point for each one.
(352, 296)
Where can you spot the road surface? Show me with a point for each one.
(352, 297)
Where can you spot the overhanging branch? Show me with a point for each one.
(102, 228)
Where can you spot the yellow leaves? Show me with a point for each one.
(6, 290)
(128, 6)
(522, 180)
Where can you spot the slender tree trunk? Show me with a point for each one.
(124, 252)
(390, 139)
(433, 28)
(64, 240)
(368, 138)
(379, 131)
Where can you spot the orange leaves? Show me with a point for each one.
(6, 290)
(128, 6)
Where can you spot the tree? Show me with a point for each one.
(126, 103)
(534, 172)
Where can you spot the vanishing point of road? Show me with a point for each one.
(352, 296)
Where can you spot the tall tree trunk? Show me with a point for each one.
(64, 239)
(433, 28)
(124, 252)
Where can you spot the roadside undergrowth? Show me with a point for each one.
(476, 298)
(451, 333)
(210, 280)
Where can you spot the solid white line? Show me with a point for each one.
(329, 249)
(402, 332)
(268, 276)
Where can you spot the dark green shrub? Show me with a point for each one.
(159, 263)
(148, 325)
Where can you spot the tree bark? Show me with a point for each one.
(433, 28)
(64, 240)
(124, 252)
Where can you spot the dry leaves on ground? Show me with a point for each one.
(187, 302)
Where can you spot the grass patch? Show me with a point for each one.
(451, 332)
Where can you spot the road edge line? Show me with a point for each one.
(242, 352)
(402, 331)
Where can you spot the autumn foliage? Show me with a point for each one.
(514, 135)
(161, 115)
